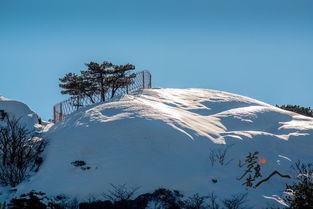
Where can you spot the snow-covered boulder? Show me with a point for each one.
(165, 137)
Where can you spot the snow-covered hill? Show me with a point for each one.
(163, 138)
(20, 111)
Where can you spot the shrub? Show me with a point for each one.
(96, 205)
(39, 200)
(164, 198)
(196, 202)
(120, 193)
(121, 197)
(300, 193)
(81, 164)
(78, 163)
(19, 152)
(219, 156)
(237, 201)
(3, 114)
(213, 204)
(31, 200)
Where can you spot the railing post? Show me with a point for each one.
(143, 79)
(54, 114)
(61, 112)
(78, 103)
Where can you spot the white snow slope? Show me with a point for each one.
(20, 111)
(163, 138)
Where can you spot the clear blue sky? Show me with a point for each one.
(258, 48)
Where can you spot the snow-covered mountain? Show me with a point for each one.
(165, 138)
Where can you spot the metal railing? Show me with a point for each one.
(63, 109)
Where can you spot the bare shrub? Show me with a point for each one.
(196, 202)
(120, 193)
(220, 156)
(164, 199)
(303, 170)
(19, 152)
(237, 201)
(212, 203)
(202, 202)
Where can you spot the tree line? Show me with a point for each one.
(307, 111)
(98, 78)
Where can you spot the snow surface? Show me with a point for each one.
(20, 111)
(163, 138)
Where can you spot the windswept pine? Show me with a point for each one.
(97, 79)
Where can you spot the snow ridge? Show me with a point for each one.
(163, 137)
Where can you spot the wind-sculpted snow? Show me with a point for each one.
(19, 110)
(163, 138)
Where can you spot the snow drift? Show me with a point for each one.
(163, 138)
(20, 111)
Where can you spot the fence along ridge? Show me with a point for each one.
(68, 106)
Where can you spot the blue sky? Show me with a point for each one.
(258, 48)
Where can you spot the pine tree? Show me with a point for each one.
(120, 77)
(70, 83)
(77, 86)
(97, 74)
(97, 79)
